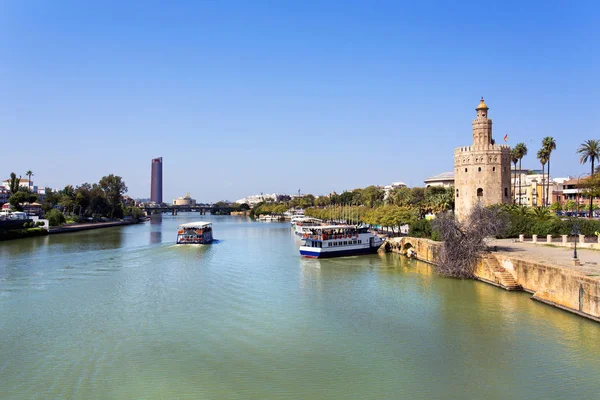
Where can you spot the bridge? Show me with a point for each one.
(173, 210)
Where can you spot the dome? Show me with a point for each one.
(482, 105)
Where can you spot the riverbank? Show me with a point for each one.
(88, 226)
(547, 272)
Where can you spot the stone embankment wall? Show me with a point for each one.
(552, 284)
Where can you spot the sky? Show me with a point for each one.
(244, 97)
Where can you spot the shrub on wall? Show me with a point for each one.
(55, 217)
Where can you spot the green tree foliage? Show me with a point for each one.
(114, 187)
(556, 206)
(29, 175)
(589, 151)
(514, 158)
(520, 151)
(13, 184)
(549, 145)
(372, 196)
(20, 197)
(55, 217)
(570, 205)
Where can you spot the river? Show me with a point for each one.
(123, 313)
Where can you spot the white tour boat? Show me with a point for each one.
(195, 233)
(339, 241)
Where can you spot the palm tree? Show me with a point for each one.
(589, 150)
(548, 144)
(543, 155)
(29, 174)
(514, 157)
(521, 150)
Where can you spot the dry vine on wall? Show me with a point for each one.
(465, 242)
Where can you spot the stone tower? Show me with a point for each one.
(481, 171)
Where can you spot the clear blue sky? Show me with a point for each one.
(243, 97)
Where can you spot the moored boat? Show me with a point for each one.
(195, 233)
(339, 241)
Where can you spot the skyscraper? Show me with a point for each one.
(156, 182)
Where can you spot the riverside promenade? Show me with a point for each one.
(548, 254)
(85, 227)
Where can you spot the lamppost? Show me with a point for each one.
(575, 231)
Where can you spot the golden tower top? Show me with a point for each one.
(482, 105)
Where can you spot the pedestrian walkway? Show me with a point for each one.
(546, 254)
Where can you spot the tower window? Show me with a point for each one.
(456, 192)
(479, 193)
(465, 170)
(505, 192)
(479, 169)
(493, 169)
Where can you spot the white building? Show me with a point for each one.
(258, 198)
(388, 188)
(445, 179)
(184, 201)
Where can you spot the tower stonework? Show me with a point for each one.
(482, 170)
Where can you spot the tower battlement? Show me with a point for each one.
(490, 147)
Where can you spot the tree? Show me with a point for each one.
(20, 197)
(543, 155)
(549, 144)
(570, 205)
(589, 151)
(514, 158)
(114, 187)
(55, 217)
(556, 206)
(372, 196)
(98, 203)
(29, 174)
(521, 151)
(13, 185)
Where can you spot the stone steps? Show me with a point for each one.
(502, 277)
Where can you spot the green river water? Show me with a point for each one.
(123, 313)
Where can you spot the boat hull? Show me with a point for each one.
(337, 253)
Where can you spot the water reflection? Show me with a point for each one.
(155, 237)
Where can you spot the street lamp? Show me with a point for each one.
(575, 231)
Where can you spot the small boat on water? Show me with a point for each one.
(339, 241)
(195, 233)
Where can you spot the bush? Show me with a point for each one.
(55, 217)
(39, 223)
(420, 228)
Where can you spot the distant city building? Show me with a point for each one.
(156, 189)
(184, 201)
(482, 170)
(445, 179)
(259, 198)
(388, 188)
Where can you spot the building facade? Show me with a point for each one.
(482, 170)
(184, 201)
(445, 179)
(156, 181)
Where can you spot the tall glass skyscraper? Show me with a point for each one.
(156, 182)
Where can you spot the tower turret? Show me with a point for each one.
(482, 126)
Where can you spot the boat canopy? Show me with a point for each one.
(320, 228)
(195, 225)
